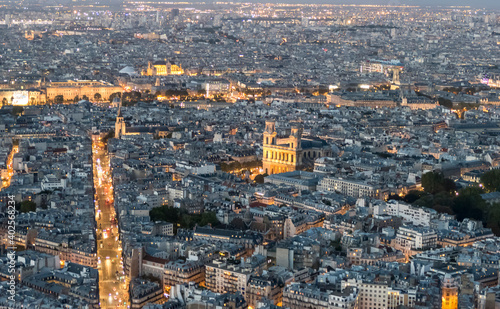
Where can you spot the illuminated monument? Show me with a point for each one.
(21, 97)
(290, 153)
(162, 68)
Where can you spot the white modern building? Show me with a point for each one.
(347, 187)
(416, 215)
(411, 237)
(51, 182)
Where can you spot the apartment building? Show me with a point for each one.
(348, 187)
(180, 272)
(231, 277)
(373, 295)
(411, 237)
(300, 296)
(416, 215)
(263, 286)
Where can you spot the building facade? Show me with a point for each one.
(163, 68)
(300, 296)
(412, 237)
(348, 187)
(70, 89)
(282, 155)
(416, 215)
(179, 272)
(231, 277)
(259, 287)
(223, 278)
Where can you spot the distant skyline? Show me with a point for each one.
(490, 4)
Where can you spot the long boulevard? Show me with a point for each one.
(113, 286)
(10, 169)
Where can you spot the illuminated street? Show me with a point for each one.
(10, 169)
(113, 286)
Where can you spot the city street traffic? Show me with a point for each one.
(113, 285)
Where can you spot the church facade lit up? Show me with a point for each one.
(286, 154)
(163, 68)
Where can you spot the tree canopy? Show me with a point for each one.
(59, 99)
(27, 206)
(435, 182)
(469, 204)
(445, 102)
(491, 180)
(235, 165)
(181, 218)
(17, 110)
(114, 95)
(108, 135)
(466, 203)
(259, 178)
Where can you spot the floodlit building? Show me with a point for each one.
(91, 89)
(282, 155)
(162, 68)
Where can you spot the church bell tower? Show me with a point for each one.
(270, 133)
(120, 123)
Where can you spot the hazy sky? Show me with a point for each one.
(492, 4)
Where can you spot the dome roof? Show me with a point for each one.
(127, 70)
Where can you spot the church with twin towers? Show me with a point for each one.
(283, 154)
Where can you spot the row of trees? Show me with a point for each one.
(235, 165)
(466, 90)
(5, 101)
(58, 99)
